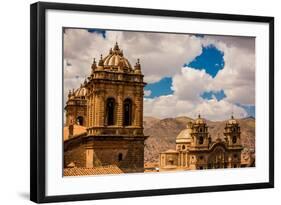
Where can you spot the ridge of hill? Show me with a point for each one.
(163, 132)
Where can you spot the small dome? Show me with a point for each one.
(80, 92)
(200, 120)
(115, 58)
(232, 121)
(184, 136)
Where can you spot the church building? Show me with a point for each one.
(104, 116)
(195, 148)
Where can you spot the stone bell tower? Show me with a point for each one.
(232, 137)
(200, 133)
(76, 107)
(232, 133)
(115, 113)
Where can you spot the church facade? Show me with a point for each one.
(104, 117)
(195, 148)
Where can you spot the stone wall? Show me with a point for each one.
(74, 151)
(127, 154)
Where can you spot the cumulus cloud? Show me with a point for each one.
(160, 54)
(186, 99)
(172, 106)
(237, 78)
(163, 55)
(147, 93)
(190, 83)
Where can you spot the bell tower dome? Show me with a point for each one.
(200, 133)
(232, 132)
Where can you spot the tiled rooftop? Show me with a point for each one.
(80, 171)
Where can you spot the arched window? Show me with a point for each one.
(127, 112)
(201, 140)
(120, 157)
(234, 139)
(110, 109)
(80, 120)
(183, 147)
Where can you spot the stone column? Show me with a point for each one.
(99, 109)
(94, 113)
(138, 109)
(120, 107)
(181, 159)
(89, 111)
(96, 109)
(89, 157)
(141, 110)
(102, 109)
(184, 161)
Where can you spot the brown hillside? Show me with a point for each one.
(163, 132)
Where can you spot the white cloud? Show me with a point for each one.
(171, 106)
(163, 55)
(190, 84)
(237, 78)
(160, 54)
(147, 93)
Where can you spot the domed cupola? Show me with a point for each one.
(185, 135)
(232, 131)
(80, 92)
(200, 120)
(115, 60)
(232, 121)
(200, 132)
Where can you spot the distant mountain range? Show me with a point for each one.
(163, 132)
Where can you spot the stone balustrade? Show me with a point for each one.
(114, 131)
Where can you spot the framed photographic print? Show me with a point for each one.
(129, 102)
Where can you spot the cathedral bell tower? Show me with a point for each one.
(76, 107)
(115, 113)
(200, 133)
(233, 140)
(232, 132)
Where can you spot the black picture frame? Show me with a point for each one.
(38, 100)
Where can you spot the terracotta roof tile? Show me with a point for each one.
(80, 171)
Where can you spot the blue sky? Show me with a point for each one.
(250, 109)
(190, 75)
(98, 31)
(212, 61)
(162, 87)
(208, 95)
(199, 35)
